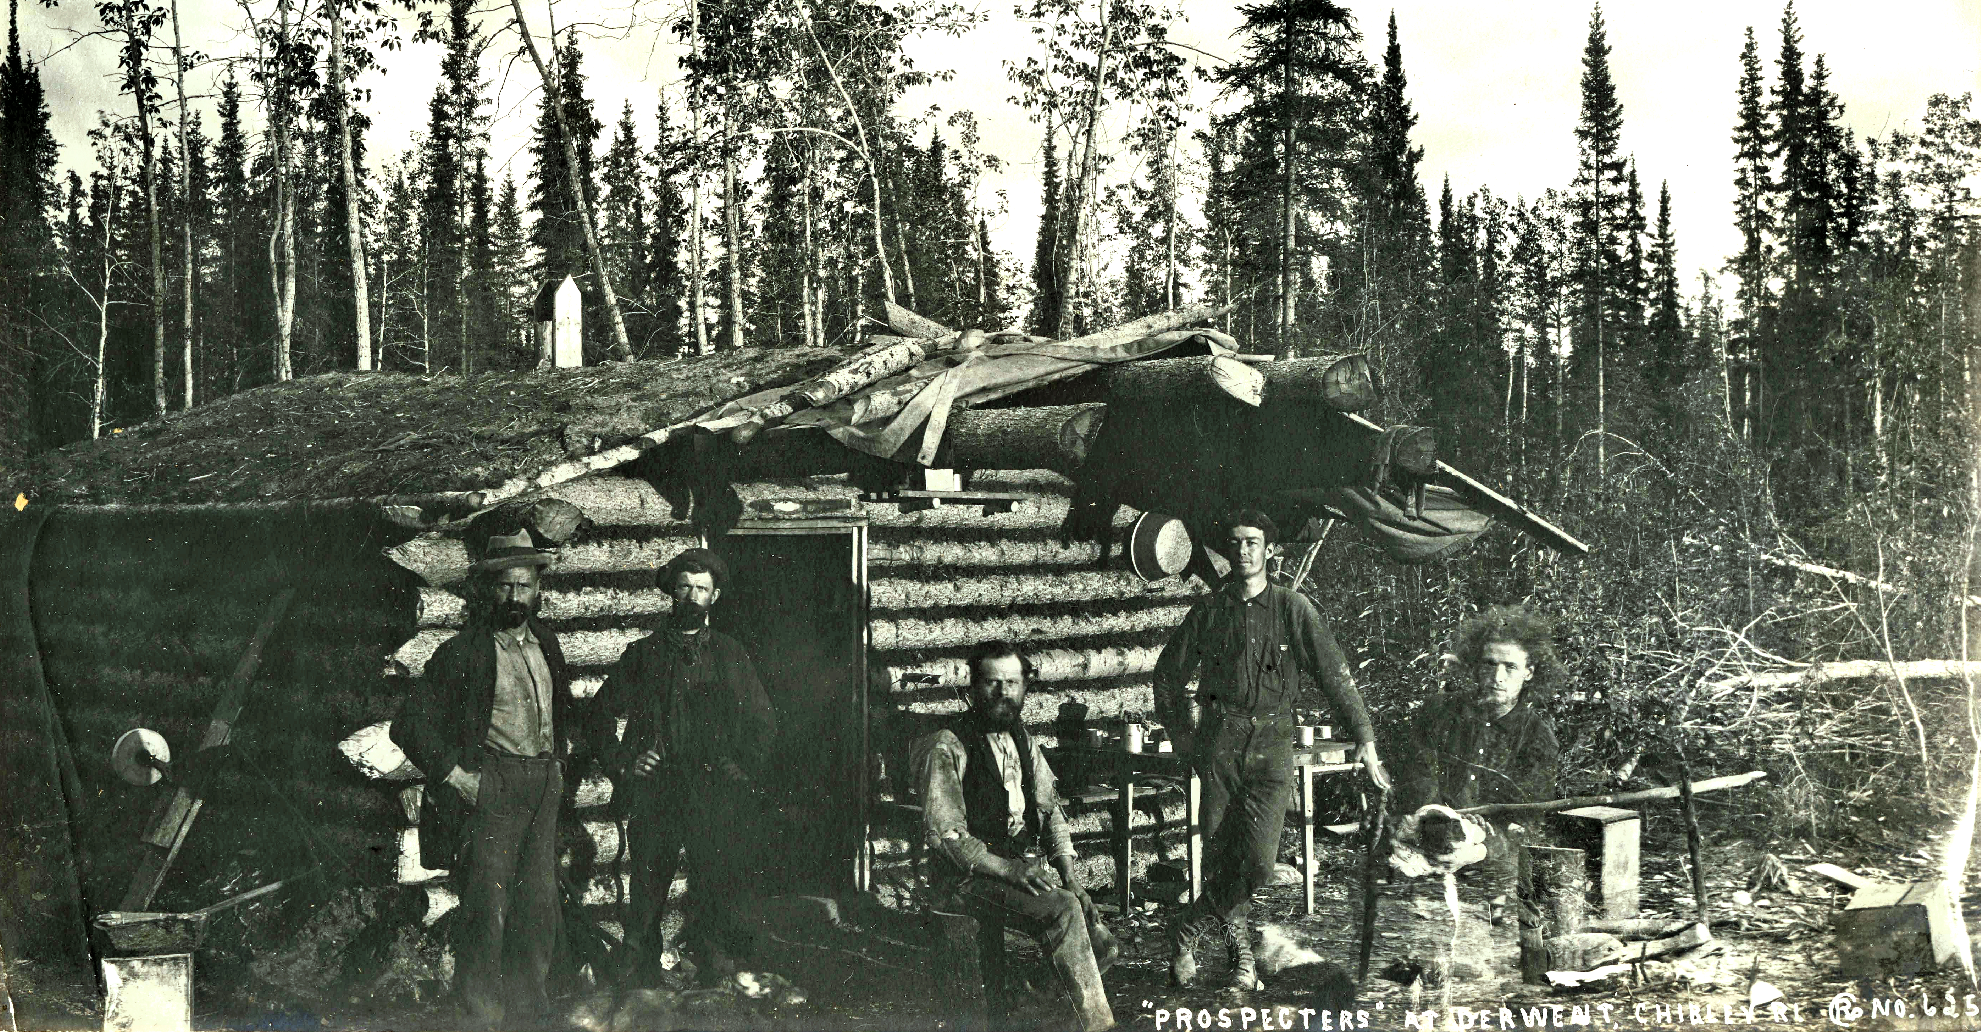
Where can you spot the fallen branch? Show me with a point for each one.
(1819, 673)
(1643, 796)
(1846, 576)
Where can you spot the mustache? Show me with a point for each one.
(688, 611)
(511, 614)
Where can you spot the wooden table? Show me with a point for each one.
(1125, 767)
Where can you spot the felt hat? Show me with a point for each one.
(505, 551)
(707, 558)
(1158, 546)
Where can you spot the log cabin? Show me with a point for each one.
(138, 566)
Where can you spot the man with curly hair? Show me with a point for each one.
(1495, 742)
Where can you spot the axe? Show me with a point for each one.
(1371, 861)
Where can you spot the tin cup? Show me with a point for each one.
(1132, 736)
(1096, 738)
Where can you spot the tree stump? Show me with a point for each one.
(1554, 901)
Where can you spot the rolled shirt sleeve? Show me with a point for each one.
(1056, 836)
(1179, 661)
(938, 764)
(937, 761)
(1322, 659)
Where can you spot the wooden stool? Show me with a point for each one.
(1611, 839)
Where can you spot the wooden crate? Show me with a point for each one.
(1611, 838)
(1903, 929)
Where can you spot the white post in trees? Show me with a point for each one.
(567, 332)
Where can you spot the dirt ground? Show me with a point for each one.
(1775, 938)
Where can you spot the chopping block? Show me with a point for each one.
(148, 994)
(1900, 929)
(1610, 837)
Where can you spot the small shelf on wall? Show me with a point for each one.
(991, 502)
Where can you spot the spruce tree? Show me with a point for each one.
(558, 234)
(623, 221)
(1754, 213)
(29, 194)
(509, 259)
(1600, 208)
(1046, 297)
(237, 312)
(667, 285)
(1395, 222)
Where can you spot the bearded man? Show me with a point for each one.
(486, 732)
(992, 815)
(699, 730)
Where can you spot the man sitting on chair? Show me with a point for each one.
(992, 815)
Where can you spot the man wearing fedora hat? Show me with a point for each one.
(686, 773)
(485, 730)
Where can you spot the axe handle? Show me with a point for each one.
(1370, 894)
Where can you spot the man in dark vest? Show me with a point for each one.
(992, 815)
(486, 732)
(1248, 643)
(699, 730)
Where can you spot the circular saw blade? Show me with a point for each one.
(132, 755)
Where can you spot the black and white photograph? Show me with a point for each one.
(989, 515)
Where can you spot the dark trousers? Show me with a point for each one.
(507, 872)
(716, 821)
(1059, 924)
(1247, 767)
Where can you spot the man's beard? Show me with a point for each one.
(1004, 714)
(688, 615)
(510, 614)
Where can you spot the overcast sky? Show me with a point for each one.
(1495, 84)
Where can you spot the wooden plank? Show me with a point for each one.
(1554, 902)
(1848, 879)
(1697, 935)
(1306, 774)
(173, 820)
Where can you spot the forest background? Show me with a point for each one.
(1772, 447)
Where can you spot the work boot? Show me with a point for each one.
(1244, 975)
(1183, 931)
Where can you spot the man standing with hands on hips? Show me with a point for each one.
(699, 732)
(1248, 643)
(486, 730)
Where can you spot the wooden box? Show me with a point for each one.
(1891, 930)
(148, 994)
(1610, 837)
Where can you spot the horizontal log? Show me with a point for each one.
(1345, 383)
(952, 632)
(1052, 437)
(1637, 927)
(873, 363)
(1001, 552)
(1197, 379)
(1819, 673)
(1054, 664)
(581, 648)
(1633, 952)
(1644, 796)
(441, 608)
(1042, 707)
(1022, 589)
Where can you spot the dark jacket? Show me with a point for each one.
(446, 721)
(715, 710)
(1460, 758)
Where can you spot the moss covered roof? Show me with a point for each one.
(360, 435)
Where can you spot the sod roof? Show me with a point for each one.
(352, 435)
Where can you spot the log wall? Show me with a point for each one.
(141, 619)
(941, 581)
